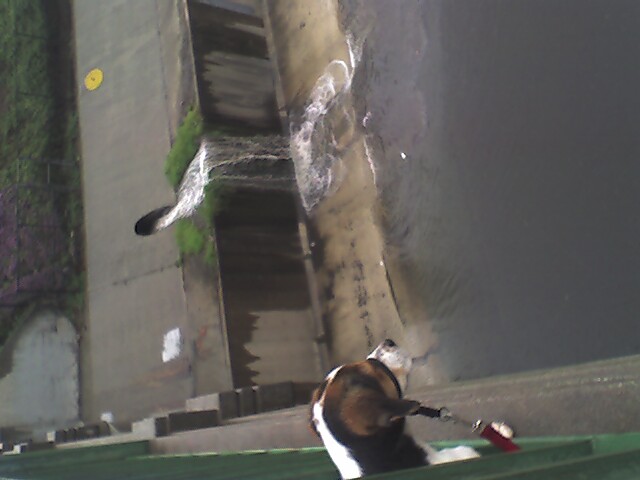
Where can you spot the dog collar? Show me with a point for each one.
(389, 374)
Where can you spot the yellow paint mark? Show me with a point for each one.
(93, 79)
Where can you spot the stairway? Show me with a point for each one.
(608, 457)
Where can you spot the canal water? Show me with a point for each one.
(505, 143)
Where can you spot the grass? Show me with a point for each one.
(26, 91)
(184, 148)
(34, 122)
(38, 120)
(191, 238)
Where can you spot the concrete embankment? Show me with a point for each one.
(349, 254)
(39, 386)
(135, 288)
(137, 292)
(359, 306)
(348, 247)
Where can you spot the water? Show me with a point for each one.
(234, 160)
(506, 156)
(315, 149)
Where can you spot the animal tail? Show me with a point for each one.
(147, 224)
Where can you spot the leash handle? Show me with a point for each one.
(486, 431)
(503, 443)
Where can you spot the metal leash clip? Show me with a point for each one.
(498, 433)
(447, 416)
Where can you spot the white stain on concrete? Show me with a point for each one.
(107, 417)
(172, 345)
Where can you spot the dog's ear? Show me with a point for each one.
(393, 409)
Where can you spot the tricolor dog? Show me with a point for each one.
(359, 413)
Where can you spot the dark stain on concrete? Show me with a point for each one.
(261, 267)
(235, 75)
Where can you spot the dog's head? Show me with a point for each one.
(395, 359)
(359, 408)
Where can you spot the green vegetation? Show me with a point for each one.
(26, 100)
(189, 237)
(38, 121)
(37, 112)
(192, 239)
(184, 148)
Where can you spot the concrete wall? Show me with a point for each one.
(135, 288)
(270, 325)
(40, 391)
(235, 79)
(348, 251)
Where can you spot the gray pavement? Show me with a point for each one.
(591, 398)
(135, 288)
(41, 390)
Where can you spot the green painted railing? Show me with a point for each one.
(609, 457)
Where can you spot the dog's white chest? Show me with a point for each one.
(340, 455)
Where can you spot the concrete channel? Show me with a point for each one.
(136, 292)
(230, 335)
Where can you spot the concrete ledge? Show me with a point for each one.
(274, 397)
(592, 398)
(150, 427)
(246, 401)
(600, 397)
(104, 441)
(84, 432)
(226, 403)
(59, 436)
(282, 429)
(252, 400)
(27, 447)
(16, 449)
(93, 431)
(185, 421)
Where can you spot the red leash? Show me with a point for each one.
(488, 432)
(503, 443)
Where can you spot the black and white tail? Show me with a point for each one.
(148, 224)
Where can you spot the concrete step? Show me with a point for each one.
(282, 429)
(251, 400)
(565, 401)
(175, 422)
(84, 432)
